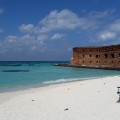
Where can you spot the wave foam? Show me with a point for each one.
(66, 80)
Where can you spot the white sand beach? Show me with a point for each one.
(82, 100)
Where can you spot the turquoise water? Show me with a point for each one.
(17, 75)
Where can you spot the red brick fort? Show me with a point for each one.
(104, 56)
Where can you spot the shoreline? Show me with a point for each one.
(50, 83)
(101, 67)
(88, 99)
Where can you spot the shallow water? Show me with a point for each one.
(27, 74)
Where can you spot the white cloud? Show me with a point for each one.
(25, 43)
(109, 31)
(56, 25)
(56, 21)
(12, 38)
(103, 36)
(57, 36)
(27, 37)
(42, 38)
(106, 36)
(59, 20)
(43, 29)
(64, 20)
(29, 28)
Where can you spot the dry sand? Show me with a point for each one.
(82, 100)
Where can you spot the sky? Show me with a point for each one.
(47, 30)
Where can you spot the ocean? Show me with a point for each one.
(22, 74)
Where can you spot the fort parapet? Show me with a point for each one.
(104, 56)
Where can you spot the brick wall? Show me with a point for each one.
(97, 56)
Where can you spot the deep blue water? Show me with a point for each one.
(14, 75)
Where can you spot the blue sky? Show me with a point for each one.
(49, 29)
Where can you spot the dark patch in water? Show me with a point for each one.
(15, 70)
(10, 65)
